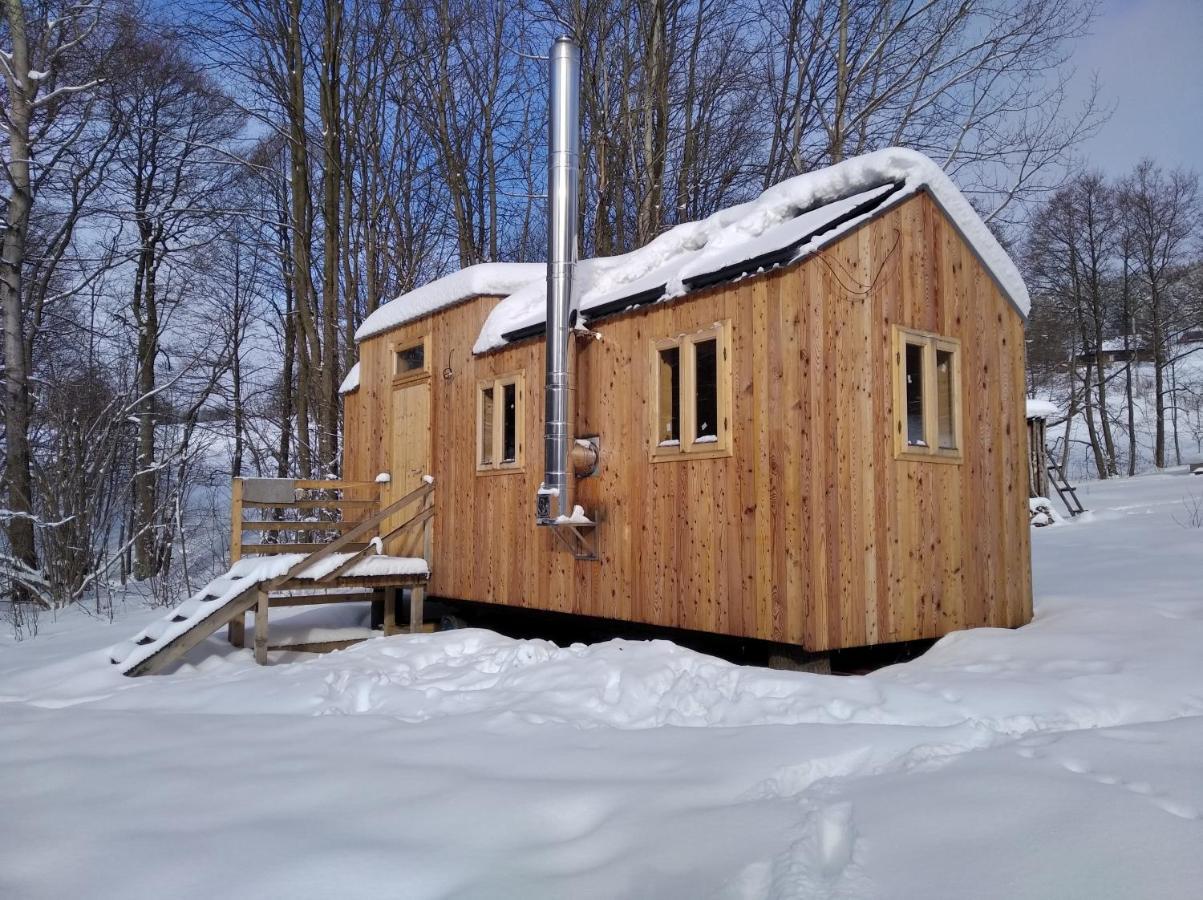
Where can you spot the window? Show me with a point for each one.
(927, 396)
(670, 396)
(409, 360)
(499, 418)
(691, 378)
(705, 384)
(486, 426)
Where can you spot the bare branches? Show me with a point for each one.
(1115, 273)
(209, 207)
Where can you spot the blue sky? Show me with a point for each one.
(1148, 55)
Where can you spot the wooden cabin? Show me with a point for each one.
(804, 417)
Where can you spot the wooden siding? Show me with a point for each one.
(811, 531)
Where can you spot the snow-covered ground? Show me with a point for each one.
(1062, 760)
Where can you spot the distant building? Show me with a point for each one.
(1114, 351)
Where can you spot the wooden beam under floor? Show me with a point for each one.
(287, 600)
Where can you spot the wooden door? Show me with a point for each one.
(409, 458)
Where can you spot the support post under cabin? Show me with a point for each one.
(390, 611)
(261, 627)
(417, 598)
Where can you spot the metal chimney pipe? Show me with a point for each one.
(563, 165)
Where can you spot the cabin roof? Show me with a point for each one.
(788, 222)
(499, 279)
(351, 382)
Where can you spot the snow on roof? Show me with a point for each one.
(1116, 345)
(351, 382)
(798, 216)
(1041, 409)
(475, 281)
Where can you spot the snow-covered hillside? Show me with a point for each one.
(1060, 760)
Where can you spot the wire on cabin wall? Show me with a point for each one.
(867, 289)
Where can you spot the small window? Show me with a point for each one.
(669, 432)
(409, 360)
(946, 416)
(927, 395)
(914, 395)
(691, 378)
(499, 417)
(705, 379)
(509, 424)
(486, 426)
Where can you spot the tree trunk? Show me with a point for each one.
(330, 89)
(302, 233)
(290, 339)
(286, 391)
(1129, 327)
(1158, 374)
(1100, 463)
(1174, 411)
(146, 477)
(1101, 388)
(17, 470)
(1069, 421)
(841, 88)
(655, 125)
(236, 366)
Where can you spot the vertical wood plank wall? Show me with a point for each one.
(810, 532)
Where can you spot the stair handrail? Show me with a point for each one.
(349, 537)
(369, 499)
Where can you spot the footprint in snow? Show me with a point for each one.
(1180, 611)
(983, 669)
(1031, 747)
(1144, 789)
(1079, 667)
(840, 710)
(1129, 736)
(1175, 808)
(837, 836)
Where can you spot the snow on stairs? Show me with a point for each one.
(222, 599)
(251, 579)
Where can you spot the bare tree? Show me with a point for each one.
(980, 85)
(392, 142)
(1071, 250)
(168, 186)
(1161, 217)
(44, 111)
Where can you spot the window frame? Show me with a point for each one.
(931, 344)
(396, 348)
(689, 446)
(498, 385)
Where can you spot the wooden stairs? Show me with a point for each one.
(1066, 491)
(352, 567)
